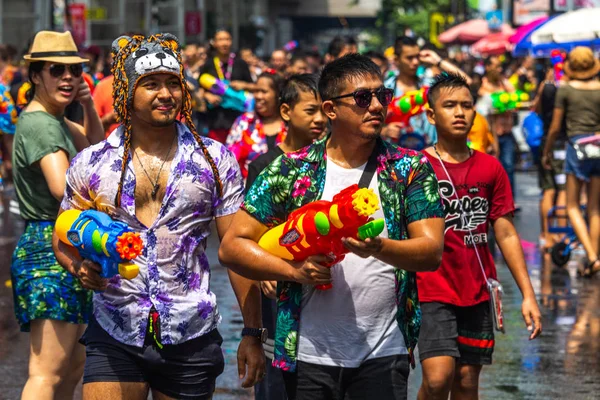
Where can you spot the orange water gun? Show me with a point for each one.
(403, 108)
(102, 240)
(318, 227)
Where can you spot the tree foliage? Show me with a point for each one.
(414, 14)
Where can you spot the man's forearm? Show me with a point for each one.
(107, 121)
(247, 293)
(447, 66)
(417, 255)
(94, 130)
(511, 249)
(246, 258)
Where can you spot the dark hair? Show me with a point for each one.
(337, 44)
(296, 84)
(488, 60)
(403, 41)
(221, 29)
(3, 53)
(298, 56)
(35, 67)
(11, 51)
(344, 69)
(277, 81)
(375, 54)
(445, 80)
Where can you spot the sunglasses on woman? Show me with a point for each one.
(363, 97)
(57, 70)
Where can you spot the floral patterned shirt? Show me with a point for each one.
(174, 270)
(8, 113)
(408, 190)
(247, 139)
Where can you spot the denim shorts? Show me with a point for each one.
(583, 170)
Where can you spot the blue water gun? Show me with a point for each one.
(99, 238)
(238, 100)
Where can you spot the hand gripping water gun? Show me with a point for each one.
(232, 99)
(557, 58)
(102, 240)
(318, 227)
(403, 108)
(505, 101)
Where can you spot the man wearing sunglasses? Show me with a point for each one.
(410, 62)
(355, 340)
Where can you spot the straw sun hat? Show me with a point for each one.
(58, 47)
(581, 64)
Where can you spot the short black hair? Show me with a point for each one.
(375, 54)
(343, 69)
(403, 41)
(445, 80)
(337, 44)
(300, 55)
(296, 84)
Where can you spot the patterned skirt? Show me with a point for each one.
(43, 289)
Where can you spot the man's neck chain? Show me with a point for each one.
(155, 185)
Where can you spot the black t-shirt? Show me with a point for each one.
(547, 100)
(218, 117)
(261, 162)
(269, 307)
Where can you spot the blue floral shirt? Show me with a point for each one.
(408, 191)
(174, 270)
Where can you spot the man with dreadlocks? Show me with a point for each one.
(158, 330)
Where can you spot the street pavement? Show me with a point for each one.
(563, 363)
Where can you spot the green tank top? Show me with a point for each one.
(37, 135)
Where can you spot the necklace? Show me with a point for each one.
(227, 75)
(440, 157)
(155, 185)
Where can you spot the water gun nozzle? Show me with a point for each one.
(129, 245)
(365, 202)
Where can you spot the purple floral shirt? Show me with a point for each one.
(174, 270)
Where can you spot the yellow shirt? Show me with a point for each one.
(480, 135)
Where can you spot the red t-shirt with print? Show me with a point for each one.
(485, 195)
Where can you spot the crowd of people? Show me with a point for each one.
(138, 134)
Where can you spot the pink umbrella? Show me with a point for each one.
(494, 44)
(526, 29)
(470, 32)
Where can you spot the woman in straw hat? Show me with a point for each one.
(579, 103)
(49, 301)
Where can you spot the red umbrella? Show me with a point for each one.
(494, 44)
(470, 32)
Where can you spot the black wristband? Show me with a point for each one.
(260, 333)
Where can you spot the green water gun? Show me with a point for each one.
(505, 101)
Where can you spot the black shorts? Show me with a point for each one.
(466, 333)
(183, 371)
(384, 378)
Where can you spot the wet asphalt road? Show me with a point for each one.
(563, 363)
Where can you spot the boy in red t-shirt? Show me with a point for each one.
(457, 333)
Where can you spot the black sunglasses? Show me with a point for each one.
(363, 97)
(57, 70)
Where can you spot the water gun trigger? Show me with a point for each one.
(371, 229)
(128, 270)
